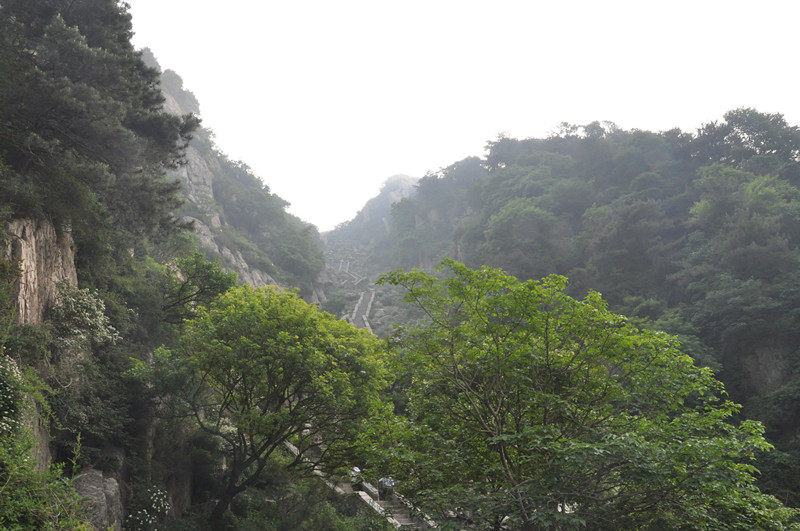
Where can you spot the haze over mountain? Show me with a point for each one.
(576, 319)
(691, 233)
(336, 97)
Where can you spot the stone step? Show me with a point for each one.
(394, 509)
(399, 512)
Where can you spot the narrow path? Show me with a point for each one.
(397, 510)
(359, 317)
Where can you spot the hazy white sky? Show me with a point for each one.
(327, 99)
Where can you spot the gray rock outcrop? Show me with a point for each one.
(103, 501)
(45, 256)
(197, 184)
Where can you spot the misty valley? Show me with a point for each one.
(596, 329)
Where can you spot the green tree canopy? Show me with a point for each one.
(192, 281)
(261, 368)
(534, 410)
(84, 133)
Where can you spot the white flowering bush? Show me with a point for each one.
(79, 319)
(77, 323)
(10, 394)
(155, 510)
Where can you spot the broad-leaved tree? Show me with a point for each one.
(532, 410)
(263, 368)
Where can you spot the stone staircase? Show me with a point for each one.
(396, 509)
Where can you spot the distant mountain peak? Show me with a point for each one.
(373, 219)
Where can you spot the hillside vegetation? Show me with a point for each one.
(235, 216)
(146, 385)
(108, 181)
(694, 233)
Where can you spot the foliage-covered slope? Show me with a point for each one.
(91, 152)
(236, 218)
(528, 409)
(86, 142)
(84, 149)
(372, 221)
(693, 233)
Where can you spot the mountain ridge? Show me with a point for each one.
(214, 188)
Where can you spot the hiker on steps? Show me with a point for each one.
(356, 479)
(385, 487)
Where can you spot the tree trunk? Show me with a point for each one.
(225, 499)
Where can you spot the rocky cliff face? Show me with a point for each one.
(46, 256)
(197, 180)
(102, 499)
(233, 259)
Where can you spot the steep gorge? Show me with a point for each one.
(566, 204)
(204, 164)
